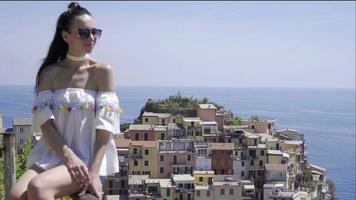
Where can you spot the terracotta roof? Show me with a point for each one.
(276, 167)
(122, 143)
(144, 143)
(222, 146)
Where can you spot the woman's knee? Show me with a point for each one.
(36, 189)
(17, 194)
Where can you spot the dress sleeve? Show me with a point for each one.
(108, 111)
(42, 109)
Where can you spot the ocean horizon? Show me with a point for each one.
(326, 117)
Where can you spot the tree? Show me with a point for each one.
(22, 158)
(2, 180)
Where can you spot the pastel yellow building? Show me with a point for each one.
(144, 158)
(155, 118)
(203, 177)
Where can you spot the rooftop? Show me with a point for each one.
(137, 179)
(203, 172)
(183, 178)
(144, 143)
(293, 142)
(159, 115)
(209, 123)
(201, 187)
(222, 146)
(160, 128)
(163, 182)
(207, 106)
(141, 127)
(122, 143)
(275, 152)
(191, 119)
(22, 122)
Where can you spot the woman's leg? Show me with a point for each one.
(51, 184)
(18, 191)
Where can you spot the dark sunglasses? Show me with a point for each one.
(84, 32)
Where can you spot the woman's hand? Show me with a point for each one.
(95, 186)
(78, 170)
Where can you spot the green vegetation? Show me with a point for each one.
(186, 106)
(22, 158)
(177, 104)
(307, 180)
(332, 188)
(2, 179)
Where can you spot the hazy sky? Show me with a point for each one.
(229, 44)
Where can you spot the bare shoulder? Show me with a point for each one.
(46, 78)
(104, 77)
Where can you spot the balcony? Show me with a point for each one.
(135, 156)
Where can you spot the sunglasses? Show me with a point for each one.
(84, 32)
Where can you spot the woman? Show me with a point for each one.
(77, 111)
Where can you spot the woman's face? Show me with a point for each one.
(80, 36)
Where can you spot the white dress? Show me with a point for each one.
(77, 113)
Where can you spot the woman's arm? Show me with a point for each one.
(76, 167)
(105, 82)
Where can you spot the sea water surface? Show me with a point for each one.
(325, 116)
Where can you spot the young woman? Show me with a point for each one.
(77, 111)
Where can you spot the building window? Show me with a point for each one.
(261, 162)
(210, 180)
(262, 152)
(189, 157)
(231, 191)
(208, 193)
(146, 162)
(146, 137)
(163, 122)
(168, 192)
(252, 163)
(163, 136)
(161, 157)
(21, 130)
(161, 170)
(137, 136)
(135, 151)
(242, 173)
(146, 119)
(174, 120)
(174, 159)
(242, 163)
(147, 152)
(21, 140)
(200, 179)
(135, 162)
(240, 140)
(222, 191)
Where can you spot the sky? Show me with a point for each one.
(195, 44)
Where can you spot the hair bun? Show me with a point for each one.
(73, 5)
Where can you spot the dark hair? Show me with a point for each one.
(58, 49)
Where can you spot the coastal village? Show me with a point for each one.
(204, 153)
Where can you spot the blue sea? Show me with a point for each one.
(325, 116)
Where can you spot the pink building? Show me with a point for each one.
(142, 132)
(259, 126)
(175, 162)
(219, 118)
(206, 112)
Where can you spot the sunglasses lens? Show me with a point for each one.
(96, 33)
(84, 33)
